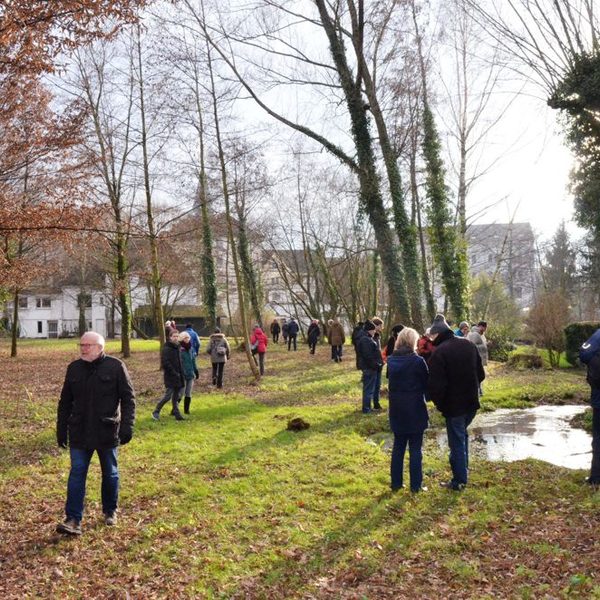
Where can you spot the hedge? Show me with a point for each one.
(575, 335)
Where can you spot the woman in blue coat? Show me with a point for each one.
(407, 373)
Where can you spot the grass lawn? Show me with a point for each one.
(229, 504)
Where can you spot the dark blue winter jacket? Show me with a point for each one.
(407, 373)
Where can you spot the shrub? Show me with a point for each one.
(575, 335)
(531, 359)
(500, 341)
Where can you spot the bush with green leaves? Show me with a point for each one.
(575, 335)
(500, 340)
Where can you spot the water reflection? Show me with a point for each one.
(542, 432)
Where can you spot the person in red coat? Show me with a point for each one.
(259, 343)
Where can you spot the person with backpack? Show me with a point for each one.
(259, 342)
(219, 350)
(589, 355)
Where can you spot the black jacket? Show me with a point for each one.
(293, 328)
(170, 360)
(97, 404)
(455, 372)
(369, 354)
(313, 333)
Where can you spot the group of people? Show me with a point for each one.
(288, 329)
(96, 409)
(440, 366)
(178, 363)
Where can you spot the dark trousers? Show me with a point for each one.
(292, 338)
(217, 374)
(173, 394)
(260, 362)
(276, 337)
(595, 470)
(458, 441)
(371, 385)
(415, 465)
(336, 353)
(312, 346)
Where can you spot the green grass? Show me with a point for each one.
(230, 504)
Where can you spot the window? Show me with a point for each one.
(101, 300)
(40, 329)
(22, 301)
(43, 302)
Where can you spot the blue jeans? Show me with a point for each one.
(371, 385)
(80, 462)
(458, 441)
(415, 465)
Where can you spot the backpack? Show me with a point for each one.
(590, 348)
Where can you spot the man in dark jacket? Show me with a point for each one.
(589, 355)
(275, 330)
(371, 364)
(455, 372)
(292, 334)
(357, 333)
(96, 412)
(174, 378)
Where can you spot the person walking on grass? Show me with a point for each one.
(293, 329)
(284, 331)
(371, 364)
(194, 337)
(313, 335)
(259, 343)
(455, 372)
(174, 379)
(337, 339)
(219, 350)
(96, 413)
(407, 373)
(275, 330)
(190, 370)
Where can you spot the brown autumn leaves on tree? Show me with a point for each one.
(40, 181)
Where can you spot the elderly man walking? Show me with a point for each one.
(96, 413)
(455, 372)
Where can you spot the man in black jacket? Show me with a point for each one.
(293, 329)
(455, 372)
(96, 412)
(371, 363)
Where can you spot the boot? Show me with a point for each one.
(186, 404)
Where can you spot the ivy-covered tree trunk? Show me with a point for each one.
(404, 230)
(370, 189)
(249, 274)
(209, 277)
(442, 233)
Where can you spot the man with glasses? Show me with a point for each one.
(96, 412)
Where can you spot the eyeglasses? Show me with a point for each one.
(87, 345)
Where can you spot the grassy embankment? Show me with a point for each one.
(230, 504)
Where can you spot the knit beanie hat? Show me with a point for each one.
(369, 326)
(439, 325)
